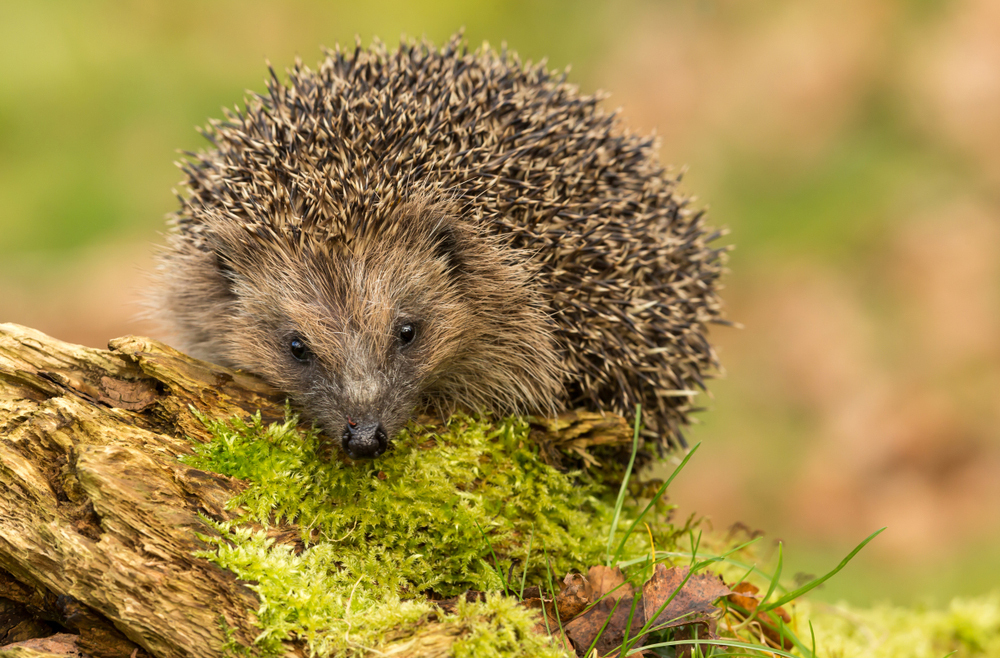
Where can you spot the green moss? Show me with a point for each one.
(379, 535)
(428, 517)
(500, 627)
(968, 627)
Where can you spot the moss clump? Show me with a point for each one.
(379, 535)
(968, 627)
(497, 628)
(306, 597)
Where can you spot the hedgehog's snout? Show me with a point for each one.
(364, 439)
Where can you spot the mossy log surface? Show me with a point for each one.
(99, 520)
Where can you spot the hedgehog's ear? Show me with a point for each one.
(447, 247)
(227, 274)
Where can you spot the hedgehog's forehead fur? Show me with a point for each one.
(523, 214)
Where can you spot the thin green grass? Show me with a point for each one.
(620, 500)
(656, 497)
(527, 561)
(790, 596)
(552, 593)
(496, 561)
(628, 643)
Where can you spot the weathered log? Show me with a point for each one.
(59, 645)
(99, 520)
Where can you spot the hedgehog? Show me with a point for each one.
(434, 228)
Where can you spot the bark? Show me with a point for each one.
(99, 520)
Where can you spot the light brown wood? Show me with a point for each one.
(95, 509)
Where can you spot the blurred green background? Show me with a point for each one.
(852, 147)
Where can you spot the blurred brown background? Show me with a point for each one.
(851, 146)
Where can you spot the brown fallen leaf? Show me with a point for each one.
(605, 581)
(692, 604)
(571, 600)
(746, 596)
(545, 605)
(573, 596)
(616, 612)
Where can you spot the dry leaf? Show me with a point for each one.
(573, 596)
(605, 580)
(692, 604)
(746, 596)
(583, 629)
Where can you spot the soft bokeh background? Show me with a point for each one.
(851, 146)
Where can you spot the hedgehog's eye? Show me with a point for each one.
(407, 333)
(299, 349)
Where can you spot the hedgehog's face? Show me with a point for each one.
(421, 309)
(355, 334)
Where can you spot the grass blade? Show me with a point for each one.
(719, 643)
(711, 558)
(659, 493)
(822, 579)
(628, 473)
(527, 560)
(631, 614)
(552, 590)
(776, 577)
(496, 562)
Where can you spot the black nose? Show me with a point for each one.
(364, 440)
